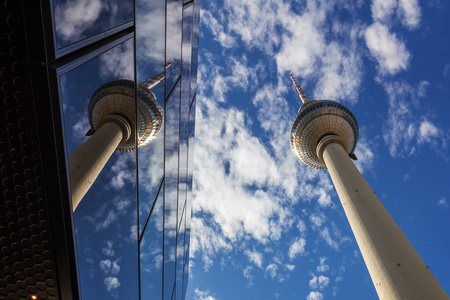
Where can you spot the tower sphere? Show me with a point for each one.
(317, 119)
(116, 98)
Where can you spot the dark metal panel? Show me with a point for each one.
(35, 215)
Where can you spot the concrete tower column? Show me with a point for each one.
(87, 161)
(396, 269)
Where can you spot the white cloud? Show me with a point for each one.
(255, 257)
(108, 251)
(202, 295)
(289, 267)
(248, 275)
(122, 172)
(317, 219)
(442, 202)
(109, 218)
(322, 267)
(74, 17)
(297, 247)
(314, 296)
(303, 43)
(118, 63)
(115, 268)
(122, 204)
(390, 53)
(408, 125)
(301, 226)
(230, 161)
(206, 240)
(409, 13)
(320, 282)
(382, 10)
(217, 29)
(272, 270)
(326, 236)
(111, 283)
(364, 152)
(105, 265)
(80, 129)
(427, 131)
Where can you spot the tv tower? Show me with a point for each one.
(111, 114)
(323, 136)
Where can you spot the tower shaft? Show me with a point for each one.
(396, 269)
(87, 161)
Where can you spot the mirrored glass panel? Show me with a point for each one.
(151, 252)
(190, 171)
(184, 110)
(186, 273)
(172, 110)
(180, 259)
(173, 41)
(77, 20)
(150, 56)
(195, 36)
(98, 100)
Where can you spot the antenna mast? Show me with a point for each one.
(155, 80)
(300, 92)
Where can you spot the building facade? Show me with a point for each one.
(129, 235)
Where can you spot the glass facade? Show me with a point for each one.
(120, 85)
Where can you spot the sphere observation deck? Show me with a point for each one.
(116, 98)
(317, 119)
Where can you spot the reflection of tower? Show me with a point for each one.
(323, 136)
(112, 118)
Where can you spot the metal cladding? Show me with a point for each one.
(316, 119)
(117, 98)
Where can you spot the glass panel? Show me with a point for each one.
(195, 35)
(152, 253)
(76, 20)
(180, 259)
(150, 46)
(186, 270)
(184, 111)
(100, 94)
(171, 189)
(173, 41)
(190, 172)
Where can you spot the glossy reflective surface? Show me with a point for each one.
(132, 226)
(173, 41)
(106, 248)
(171, 190)
(152, 253)
(77, 20)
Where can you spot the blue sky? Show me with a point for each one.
(264, 225)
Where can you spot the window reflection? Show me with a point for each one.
(105, 220)
(151, 249)
(112, 117)
(106, 248)
(150, 59)
(76, 20)
(180, 258)
(171, 189)
(173, 41)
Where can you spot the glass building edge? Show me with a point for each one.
(65, 60)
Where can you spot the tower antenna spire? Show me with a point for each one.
(300, 92)
(155, 80)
